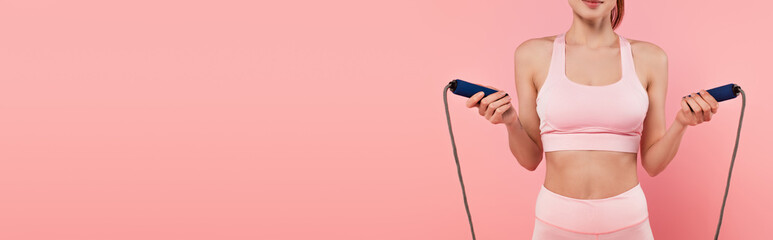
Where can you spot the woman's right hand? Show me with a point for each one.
(495, 107)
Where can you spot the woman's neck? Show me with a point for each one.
(592, 33)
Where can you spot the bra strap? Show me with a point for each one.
(558, 58)
(627, 59)
(555, 71)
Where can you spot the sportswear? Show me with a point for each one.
(575, 116)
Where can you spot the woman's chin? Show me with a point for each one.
(591, 16)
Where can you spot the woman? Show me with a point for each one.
(591, 99)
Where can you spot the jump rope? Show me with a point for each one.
(466, 89)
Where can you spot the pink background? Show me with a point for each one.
(324, 119)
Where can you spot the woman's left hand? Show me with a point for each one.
(703, 106)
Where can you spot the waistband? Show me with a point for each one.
(590, 141)
(592, 216)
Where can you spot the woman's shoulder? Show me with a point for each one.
(537, 44)
(535, 49)
(647, 51)
(650, 58)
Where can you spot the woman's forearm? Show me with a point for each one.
(522, 146)
(656, 158)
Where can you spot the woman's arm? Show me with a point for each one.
(658, 146)
(526, 151)
(523, 134)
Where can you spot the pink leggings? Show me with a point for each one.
(624, 216)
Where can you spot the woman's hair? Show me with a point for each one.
(617, 14)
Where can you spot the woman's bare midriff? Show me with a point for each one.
(590, 174)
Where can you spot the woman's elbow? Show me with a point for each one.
(528, 157)
(531, 168)
(652, 170)
(530, 163)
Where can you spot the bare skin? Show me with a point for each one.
(592, 58)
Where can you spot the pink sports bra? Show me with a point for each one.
(575, 116)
